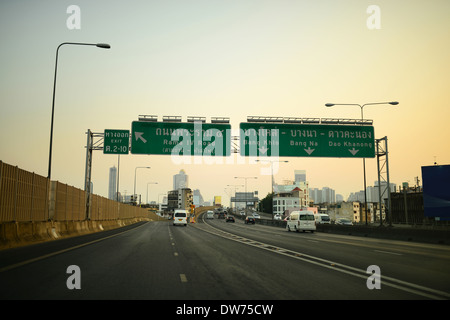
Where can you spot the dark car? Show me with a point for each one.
(249, 220)
(230, 219)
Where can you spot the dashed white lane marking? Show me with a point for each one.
(387, 252)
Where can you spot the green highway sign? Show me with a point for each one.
(116, 141)
(180, 138)
(307, 140)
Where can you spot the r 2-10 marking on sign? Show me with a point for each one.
(116, 141)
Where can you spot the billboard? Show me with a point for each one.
(436, 191)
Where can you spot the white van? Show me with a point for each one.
(301, 221)
(180, 217)
(210, 215)
(322, 218)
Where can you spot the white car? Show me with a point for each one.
(180, 217)
(210, 215)
(322, 218)
(277, 217)
(256, 216)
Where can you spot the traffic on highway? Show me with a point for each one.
(222, 256)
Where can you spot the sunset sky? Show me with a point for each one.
(223, 58)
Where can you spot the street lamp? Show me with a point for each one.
(394, 103)
(246, 188)
(271, 165)
(134, 194)
(160, 203)
(99, 45)
(147, 188)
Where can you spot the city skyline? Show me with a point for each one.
(222, 58)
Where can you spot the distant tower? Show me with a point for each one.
(300, 176)
(112, 189)
(180, 180)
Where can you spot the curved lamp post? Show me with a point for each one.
(394, 103)
(135, 171)
(99, 45)
(271, 165)
(147, 188)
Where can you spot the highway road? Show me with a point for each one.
(218, 260)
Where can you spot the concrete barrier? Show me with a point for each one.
(403, 233)
(8, 233)
(15, 234)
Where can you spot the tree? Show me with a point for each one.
(265, 205)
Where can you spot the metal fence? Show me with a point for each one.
(23, 195)
(26, 196)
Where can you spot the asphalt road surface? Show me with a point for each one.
(218, 260)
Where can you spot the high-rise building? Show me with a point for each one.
(180, 180)
(324, 195)
(328, 195)
(316, 195)
(372, 193)
(112, 188)
(197, 198)
(300, 176)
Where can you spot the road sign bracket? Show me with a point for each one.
(94, 142)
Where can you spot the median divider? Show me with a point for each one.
(402, 233)
(199, 210)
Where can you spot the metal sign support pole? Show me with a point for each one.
(90, 146)
(87, 175)
(382, 151)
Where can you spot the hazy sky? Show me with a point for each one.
(230, 58)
